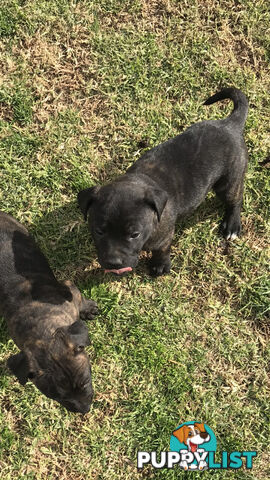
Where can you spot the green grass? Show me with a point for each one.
(85, 88)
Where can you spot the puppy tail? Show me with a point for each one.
(240, 111)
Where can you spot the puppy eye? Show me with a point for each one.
(99, 231)
(83, 386)
(134, 235)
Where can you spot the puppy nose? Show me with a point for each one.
(115, 263)
(203, 434)
(84, 409)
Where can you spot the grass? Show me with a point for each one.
(85, 88)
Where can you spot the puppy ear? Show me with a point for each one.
(78, 335)
(86, 197)
(157, 199)
(179, 434)
(19, 365)
(200, 426)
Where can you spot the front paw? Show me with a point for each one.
(160, 268)
(88, 310)
(231, 228)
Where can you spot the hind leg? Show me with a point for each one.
(230, 191)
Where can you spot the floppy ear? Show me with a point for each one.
(19, 365)
(157, 199)
(85, 198)
(200, 426)
(179, 434)
(78, 335)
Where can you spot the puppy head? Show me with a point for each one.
(192, 435)
(122, 217)
(60, 369)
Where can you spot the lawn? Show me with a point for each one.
(85, 88)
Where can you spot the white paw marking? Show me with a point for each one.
(231, 236)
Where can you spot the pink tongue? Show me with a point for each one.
(119, 271)
(193, 447)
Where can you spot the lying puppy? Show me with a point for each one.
(139, 209)
(43, 320)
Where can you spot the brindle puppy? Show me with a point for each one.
(43, 320)
(139, 209)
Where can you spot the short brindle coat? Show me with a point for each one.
(43, 317)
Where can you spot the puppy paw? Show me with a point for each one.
(157, 269)
(89, 309)
(231, 228)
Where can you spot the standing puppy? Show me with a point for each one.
(139, 209)
(43, 320)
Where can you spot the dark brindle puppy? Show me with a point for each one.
(43, 320)
(139, 209)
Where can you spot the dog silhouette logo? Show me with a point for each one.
(193, 440)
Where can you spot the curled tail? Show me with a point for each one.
(239, 113)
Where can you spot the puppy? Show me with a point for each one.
(139, 209)
(43, 320)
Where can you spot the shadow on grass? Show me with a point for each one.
(4, 338)
(4, 371)
(4, 335)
